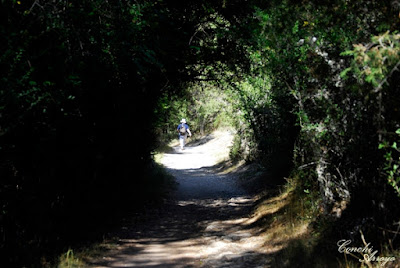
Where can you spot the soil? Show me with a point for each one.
(206, 223)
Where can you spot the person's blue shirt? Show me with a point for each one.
(180, 125)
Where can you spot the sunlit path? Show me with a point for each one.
(195, 172)
(206, 223)
(205, 153)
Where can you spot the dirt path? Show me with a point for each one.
(205, 224)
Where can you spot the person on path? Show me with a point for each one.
(183, 130)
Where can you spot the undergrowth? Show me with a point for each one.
(156, 188)
(68, 260)
(298, 234)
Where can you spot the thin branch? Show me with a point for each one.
(206, 79)
(306, 165)
(390, 231)
(191, 38)
(36, 3)
(367, 262)
(395, 68)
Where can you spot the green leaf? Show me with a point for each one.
(195, 47)
(394, 146)
(343, 74)
(398, 131)
(370, 78)
(347, 53)
(381, 146)
(295, 28)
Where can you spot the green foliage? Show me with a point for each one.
(68, 260)
(375, 61)
(205, 105)
(236, 152)
(392, 164)
(327, 126)
(84, 79)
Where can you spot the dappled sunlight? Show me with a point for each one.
(205, 224)
(154, 126)
(234, 202)
(210, 221)
(269, 207)
(192, 233)
(279, 221)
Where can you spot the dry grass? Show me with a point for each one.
(69, 260)
(288, 224)
(285, 220)
(282, 212)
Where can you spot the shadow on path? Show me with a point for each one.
(202, 225)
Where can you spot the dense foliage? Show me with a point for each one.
(342, 122)
(321, 103)
(80, 84)
(334, 66)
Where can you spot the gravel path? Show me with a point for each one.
(205, 224)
